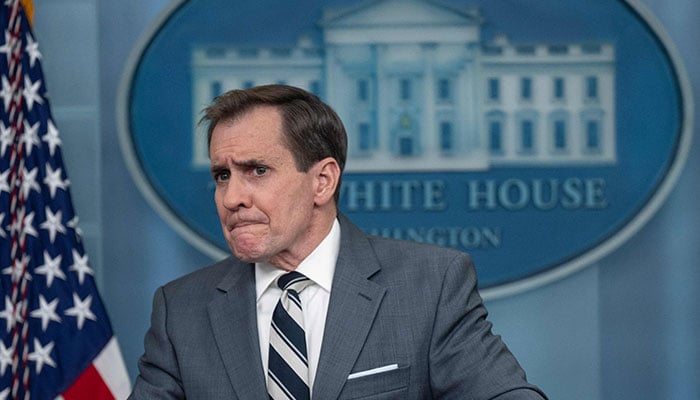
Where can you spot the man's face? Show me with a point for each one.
(264, 204)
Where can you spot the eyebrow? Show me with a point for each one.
(249, 163)
(215, 167)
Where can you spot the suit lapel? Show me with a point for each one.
(353, 306)
(234, 322)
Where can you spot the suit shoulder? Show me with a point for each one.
(205, 278)
(394, 249)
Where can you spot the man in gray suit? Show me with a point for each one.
(377, 318)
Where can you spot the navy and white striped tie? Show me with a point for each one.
(288, 368)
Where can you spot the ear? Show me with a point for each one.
(327, 173)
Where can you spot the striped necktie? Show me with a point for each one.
(288, 369)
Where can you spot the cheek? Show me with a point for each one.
(217, 202)
(287, 207)
(300, 198)
(303, 207)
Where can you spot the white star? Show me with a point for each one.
(73, 224)
(53, 224)
(3, 233)
(28, 226)
(4, 184)
(81, 310)
(5, 357)
(53, 180)
(13, 226)
(4, 394)
(31, 92)
(29, 182)
(42, 355)
(80, 265)
(32, 48)
(30, 137)
(6, 93)
(51, 268)
(24, 225)
(16, 221)
(9, 314)
(12, 313)
(47, 312)
(51, 137)
(6, 136)
(7, 46)
(18, 271)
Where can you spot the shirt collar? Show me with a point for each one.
(319, 266)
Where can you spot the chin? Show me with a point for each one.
(246, 255)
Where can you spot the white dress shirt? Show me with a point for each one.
(319, 266)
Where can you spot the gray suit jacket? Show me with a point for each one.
(392, 302)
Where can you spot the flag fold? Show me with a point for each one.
(56, 339)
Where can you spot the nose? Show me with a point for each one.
(236, 194)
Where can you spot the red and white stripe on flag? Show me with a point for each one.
(56, 340)
(105, 379)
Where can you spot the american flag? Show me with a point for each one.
(57, 342)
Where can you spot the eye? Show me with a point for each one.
(221, 176)
(260, 170)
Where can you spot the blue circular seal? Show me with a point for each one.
(537, 136)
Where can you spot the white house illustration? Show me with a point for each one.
(418, 89)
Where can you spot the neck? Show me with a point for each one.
(290, 259)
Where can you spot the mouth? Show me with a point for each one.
(243, 224)
(239, 225)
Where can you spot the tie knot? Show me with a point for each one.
(293, 281)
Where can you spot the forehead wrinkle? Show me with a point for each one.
(270, 149)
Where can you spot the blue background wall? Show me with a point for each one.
(627, 327)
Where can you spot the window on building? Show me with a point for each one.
(526, 131)
(527, 136)
(560, 135)
(593, 142)
(495, 125)
(248, 52)
(406, 146)
(444, 89)
(491, 50)
(559, 91)
(592, 128)
(496, 137)
(405, 89)
(216, 52)
(558, 49)
(446, 136)
(494, 89)
(315, 87)
(215, 89)
(365, 137)
(591, 87)
(526, 88)
(281, 52)
(591, 48)
(525, 49)
(362, 90)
